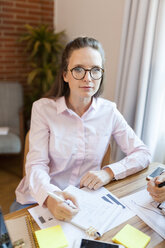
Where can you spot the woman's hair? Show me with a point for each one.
(60, 87)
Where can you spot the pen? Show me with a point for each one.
(58, 198)
(91, 231)
(161, 184)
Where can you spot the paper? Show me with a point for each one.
(106, 195)
(4, 130)
(131, 237)
(147, 209)
(94, 211)
(106, 209)
(52, 237)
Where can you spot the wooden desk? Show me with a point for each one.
(122, 188)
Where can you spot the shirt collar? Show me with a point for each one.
(61, 105)
(94, 103)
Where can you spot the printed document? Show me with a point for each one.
(147, 209)
(100, 209)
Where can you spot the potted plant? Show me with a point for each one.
(44, 48)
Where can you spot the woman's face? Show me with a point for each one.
(86, 58)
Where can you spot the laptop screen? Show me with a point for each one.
(5, 241)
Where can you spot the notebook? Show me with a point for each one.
(52, 237)
(131, 237)
(19, 228)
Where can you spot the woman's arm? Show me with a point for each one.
(37, 166)
(37, 161)
(137, 156)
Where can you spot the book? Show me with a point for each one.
(52, 237)
(131, 237)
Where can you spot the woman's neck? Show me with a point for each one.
(79, 106)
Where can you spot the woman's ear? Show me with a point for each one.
(65, 76)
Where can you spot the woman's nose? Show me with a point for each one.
(87, 76)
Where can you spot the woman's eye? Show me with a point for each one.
(96, 69)
(78, 69)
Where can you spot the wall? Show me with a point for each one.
(101, 19)
(14, 14)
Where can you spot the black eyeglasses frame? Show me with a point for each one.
(71, 70)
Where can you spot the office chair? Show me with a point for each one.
(11, 116)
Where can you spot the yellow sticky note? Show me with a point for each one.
(52, 237)
(131, 237)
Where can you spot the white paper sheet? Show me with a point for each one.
(146, 208)
(112, 201)
(99, 209)
(94, 211)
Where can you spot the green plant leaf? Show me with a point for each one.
(33, 74)
(43, 48)
(47, 46)
(35, 48)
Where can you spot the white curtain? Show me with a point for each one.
(140, 90)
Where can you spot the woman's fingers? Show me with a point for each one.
(158, 194)
(95, 179)
(60, 209)
(68, 196)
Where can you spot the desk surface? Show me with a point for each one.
(122, 188)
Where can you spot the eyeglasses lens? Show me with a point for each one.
(79, 72)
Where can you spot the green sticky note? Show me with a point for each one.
(131, 237)
(52, 237)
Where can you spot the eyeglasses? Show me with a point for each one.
(79, 72)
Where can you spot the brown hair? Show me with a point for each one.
(60, 87)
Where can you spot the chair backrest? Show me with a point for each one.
(26, 149)
(11, 101)
(106, 159)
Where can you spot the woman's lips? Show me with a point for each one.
(86, 87)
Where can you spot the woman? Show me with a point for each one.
(158, 194)
(71, 131)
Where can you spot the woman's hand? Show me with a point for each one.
(96, 179)
(158, 194)
(61, 210)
